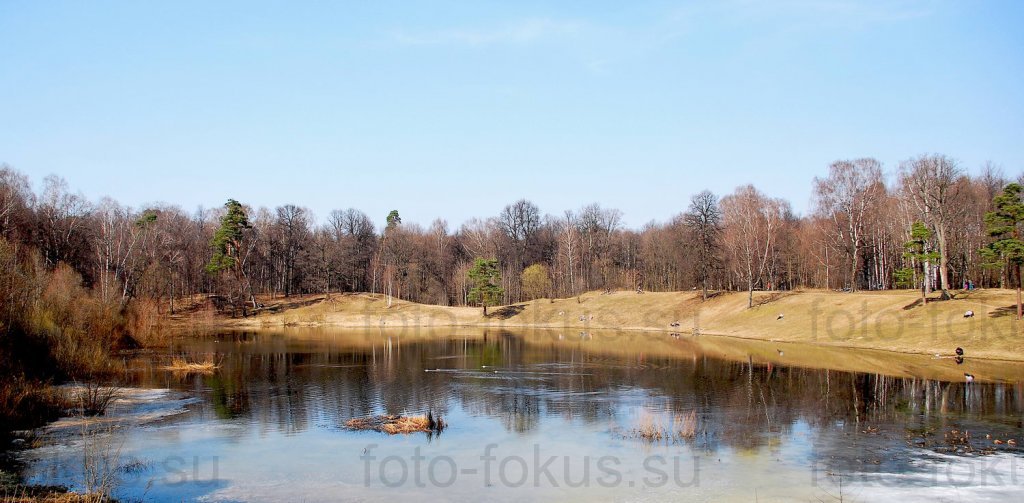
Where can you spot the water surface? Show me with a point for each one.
(549, 415)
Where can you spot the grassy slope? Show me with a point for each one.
(892, 321)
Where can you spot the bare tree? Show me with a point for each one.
(845, 199)
(704, 221)
(568, 250)
(596, 226)
(520, 223)
(121, 239)
(294, 234)
(751, 222)
(15, 200)
(520, 220)
(439, 267)
(930, 183)
(63, 225)
(477, 237)
(355, 244)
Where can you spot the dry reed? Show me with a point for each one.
(182, 365)
(393, 425)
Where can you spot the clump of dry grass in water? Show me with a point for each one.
(178, 364)
(650, 429)
(686, 425)
(394, 425)
(93, 399)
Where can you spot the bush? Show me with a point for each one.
(51, 328)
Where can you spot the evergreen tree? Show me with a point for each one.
(486, 279)
(1004, 224)
(393, 219)
(918, 250)
(229, 250)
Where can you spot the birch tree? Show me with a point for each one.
(751, 222)
(845, 199)
(929, 182)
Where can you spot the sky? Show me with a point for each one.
(454, 109)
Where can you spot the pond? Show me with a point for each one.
(546, 415)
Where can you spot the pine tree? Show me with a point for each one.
(486, 278)
(917, 249)
(229, 249)
(1004, 224)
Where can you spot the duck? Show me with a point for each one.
(959, 351)
(969, 377)
(969, 314)
(781, 316)
(779, 351)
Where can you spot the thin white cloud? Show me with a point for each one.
(523, 32)
(845, 12)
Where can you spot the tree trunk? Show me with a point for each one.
(943, 265)
(853, 272)
(750, 294)
(926, 274)
(924, 284)
(855, 238)
(1018, 303)
(828, 281)
(1020, 308)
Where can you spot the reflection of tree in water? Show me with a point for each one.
(227, 400)
(290, 385)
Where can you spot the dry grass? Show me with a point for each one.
(52, 496)
(685, 426)
(394, 425)
(13, 491)
(92, 399)
(890, 320)
(649, 428)
(25, 404)
(185, 366)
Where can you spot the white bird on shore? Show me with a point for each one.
(969, 314)
(969, 377)
(780, 316)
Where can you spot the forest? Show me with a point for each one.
(859, 235)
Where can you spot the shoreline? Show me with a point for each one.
(650, 344)
(235, 327)
(884, 321)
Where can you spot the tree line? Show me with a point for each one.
(932, 226)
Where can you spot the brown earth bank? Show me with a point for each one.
(890, 320)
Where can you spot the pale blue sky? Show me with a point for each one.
(454, 109)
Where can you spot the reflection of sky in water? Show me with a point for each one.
(268, 427)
